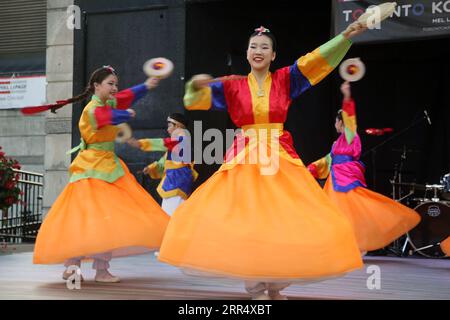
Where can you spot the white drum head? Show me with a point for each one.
(352, 69)
(158, 67)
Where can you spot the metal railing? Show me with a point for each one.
(21, 222)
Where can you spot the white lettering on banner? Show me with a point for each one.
(21, 92)
(404, 10)
(440, 7)
(347, 14)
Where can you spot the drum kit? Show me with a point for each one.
(433, 206)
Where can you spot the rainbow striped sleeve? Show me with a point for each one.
(103, 115)
(208, 98)
(311, 68)
(156, 144)
(125, 98)
(320, 169)
(106, 116)
(349, 118)
(156, 169)
(159, 144)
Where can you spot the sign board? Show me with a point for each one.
(19, 92)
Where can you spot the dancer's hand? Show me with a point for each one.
(354, 29)
(145, 171)
(201, 81)
(134, 143)
(346, 91)
(132, 112)
(152, 83)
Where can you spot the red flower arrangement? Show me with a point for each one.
(9, 191)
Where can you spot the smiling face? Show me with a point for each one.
(260, 52)
(107, 88)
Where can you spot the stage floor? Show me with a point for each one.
(143, 277)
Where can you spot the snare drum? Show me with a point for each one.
(433, 228)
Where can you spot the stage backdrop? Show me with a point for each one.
(411, 20)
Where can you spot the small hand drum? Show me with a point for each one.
(124, 133)
(377, 13)
(158, 67)
(352, 69)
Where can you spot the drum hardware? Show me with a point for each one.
(435, 188)
(373, 150)
(445, 181)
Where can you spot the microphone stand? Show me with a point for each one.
(373, 150)
(396, 248)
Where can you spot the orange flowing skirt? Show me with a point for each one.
(245, 225)
(377, 220)
(445, 246)
(92, 216)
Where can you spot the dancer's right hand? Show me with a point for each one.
(201, 81)
(152, 83)
(345, 89)
(132, 112)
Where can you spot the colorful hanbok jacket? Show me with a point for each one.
(96, 157)
(175, 169)
(347, 171)
(265, 109)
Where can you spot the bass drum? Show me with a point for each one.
(433, 228)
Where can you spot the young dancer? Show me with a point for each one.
(267, 224)
(376, 219)
(103, 212)
(177, 176)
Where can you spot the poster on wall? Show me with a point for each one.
(411, 19)
(19, 92)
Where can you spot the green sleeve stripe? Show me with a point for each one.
(335, 50)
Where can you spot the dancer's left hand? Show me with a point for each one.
(354, 29)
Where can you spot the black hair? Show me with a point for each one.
(181, 118)
(96, 77)
(339, 115)
(267, 34)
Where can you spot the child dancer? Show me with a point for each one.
(177, 176)
(103, 212)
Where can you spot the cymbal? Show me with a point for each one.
(435, 186)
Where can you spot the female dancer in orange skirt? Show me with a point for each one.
(103, 212)
(265, 222)
(376, 219)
